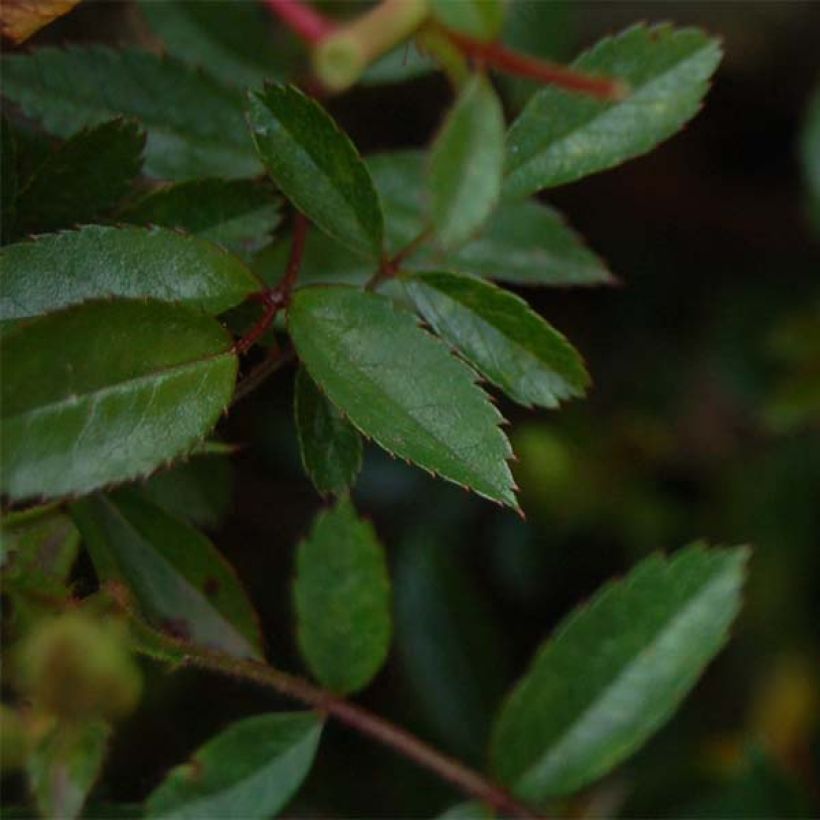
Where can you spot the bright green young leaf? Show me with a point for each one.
(81, 179)
(195, 125)
(496, 332)
(239, 214)
(180, 582)
(317, 167)
(466, 163)
(95, 262)
(64, 765)
(342, 598)
(331, 448)
(93, 395)
(250, 770)
(481, 19)
(400, 386)
(234, 41)
(615, 670)
(562, 136)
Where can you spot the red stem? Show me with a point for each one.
(304, 21)
(496, 55)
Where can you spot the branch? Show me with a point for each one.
(300, 18)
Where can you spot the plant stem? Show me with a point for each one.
(304, 21)
(261, 372)
(366, 723)
(297, 250)
(497, 56)
(391, 265)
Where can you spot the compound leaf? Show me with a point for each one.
(561, 136)
(400, 386)
(179, 581)
(249, 770)
(615, 671)
(342, 598)
(317, 167)
(62, 269)
(496, 332)
(106, 392)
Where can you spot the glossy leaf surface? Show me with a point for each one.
(104, 407)
(317, 167)
(342, 598)
(615, 670)
(496, 331)
(401, 387)
(561, 137)
(331, 448)
(179, 581)
(249, 770)
(96, 262)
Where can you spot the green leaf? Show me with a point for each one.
(317, 167)
(482, 19)
(180, 582)
(496, 332)
(528, 243)
(195, 125)
(342, 597)
(810, 155)
(399, 65)
(64, 765)
(238, 214)
(466, 163)
(39, 543)
(615, 670)
(63, 269)
(82, 178)
(331, 448)
(235, 42)
(250, 770)
(467, 811)
(401, 387)
(9, 179)
(561, 136)
(92, 395)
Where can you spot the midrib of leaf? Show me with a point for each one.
(646, 90)
(623, 680)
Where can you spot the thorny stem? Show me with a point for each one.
(305, 22)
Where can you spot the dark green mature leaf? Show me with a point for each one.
(810, 154)
(92, 395)
(249, 770)
(238, 214)
(195, 125)
(63, 766)
(615, 671)
(466, 163)
(401, 387)
(317, 167)
(83, 178)
(496, 332)
(342, 598)
(235, 42)
(467, 811)
(330, 446)
(178, 579)
(9, 179)
(561, 137)
(58, 270)
(482, 19)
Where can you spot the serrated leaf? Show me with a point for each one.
(63, 766)
(331, 448)
(615, 671)
(82, 178)
(482, 19)
(400, 386)
(342, 597)
(239, 214)
(63, 269)
(235, 42)
(317, 167)
(195, 125)
(466, 162)
(496, 332)
(249, 770)
(92, 395)
(179, 581)
(561, 137)
(19, 19)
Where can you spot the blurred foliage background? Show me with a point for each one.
(704, 422)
